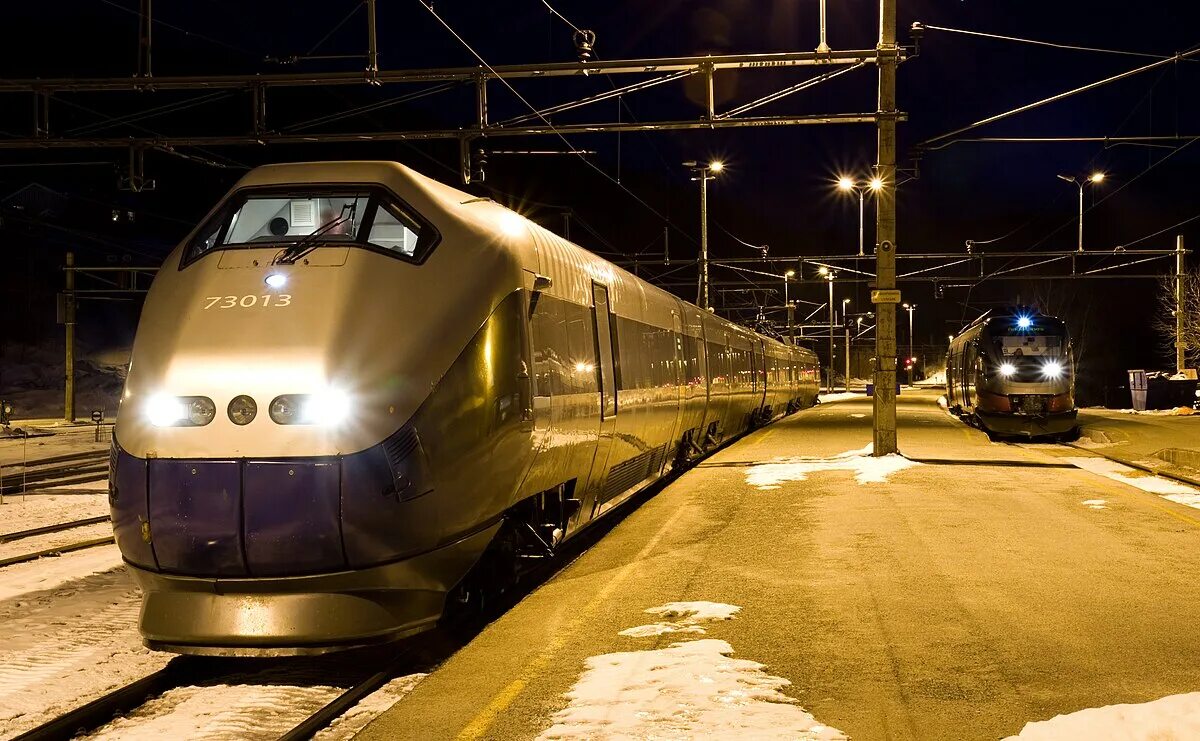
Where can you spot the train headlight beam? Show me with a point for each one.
(1007, 369)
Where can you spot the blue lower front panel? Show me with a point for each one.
(271, 518)
(291, 517)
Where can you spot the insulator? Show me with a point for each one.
(585, 44)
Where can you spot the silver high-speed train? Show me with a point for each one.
(358, 395)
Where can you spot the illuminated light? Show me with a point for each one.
(329, 407)
(822, 270)
(1097, 177)
(164, 411)
(1052, 369)
(511, 224)
(1024, 322)
(1007, 369)
(789, 274)
(716, 166)
(875, 184)
(845, 183)
(276, 280)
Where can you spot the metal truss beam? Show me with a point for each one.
(385, 77)
(463, 133)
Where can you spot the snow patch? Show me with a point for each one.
(866, 468)
(1094, 503)
(1171, 718)
(354, 720)
(691, 689)
(840, 396)
(1175, 492)
(689, 615)
(858, 416)
(55, 571)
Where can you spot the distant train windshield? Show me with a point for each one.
(1029, 345)
(367, 218)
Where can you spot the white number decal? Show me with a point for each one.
(247, 302)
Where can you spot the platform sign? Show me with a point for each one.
(885, 297)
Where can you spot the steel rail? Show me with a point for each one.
(58, 550)
(338, 706)
(1139, 466)
(86, 455)
(467, 74)
(178, 672)
(45, 529)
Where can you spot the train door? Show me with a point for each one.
(677, 362)
(605, 375)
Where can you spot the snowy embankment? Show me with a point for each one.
(690, 689)
(1167, 489)
(31, 376)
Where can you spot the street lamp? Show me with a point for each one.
(704, 173)
(1094, 178)
(788, 305)
(910, 308)
(850, 185)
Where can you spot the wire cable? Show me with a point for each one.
(183, 31)
(1036, 42)
(429, 7)
(561, 17)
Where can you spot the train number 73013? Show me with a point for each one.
(248, 302)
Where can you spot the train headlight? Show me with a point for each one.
(1052, 369)
(1007, 369)
(328, 408)
(242, 410)
(164, 410)
(1024, 322)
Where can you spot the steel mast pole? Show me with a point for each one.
(1180, 360)
(831, 331)
(884, 407)
(69, 321)
(704, 240)
(861, 196)
(1079, 182)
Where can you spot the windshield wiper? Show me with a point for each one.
(309, 243)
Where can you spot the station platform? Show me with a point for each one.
(958, 592)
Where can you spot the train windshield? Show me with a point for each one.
(1029, 345)
(367, 218)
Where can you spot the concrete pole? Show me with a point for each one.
(704, 240)
(69, 321)
(1180, 360)
(911, 363)
(884, 407)
(787, 306)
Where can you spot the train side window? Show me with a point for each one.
(395, 230)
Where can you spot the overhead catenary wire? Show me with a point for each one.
(184, 31)
(1051, 44)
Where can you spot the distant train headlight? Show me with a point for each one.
(164, 410)
(1052, 369)
(329, 408)
(1007, 369)
(242, 410)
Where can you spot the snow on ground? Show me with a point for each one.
(1171, 718)
(66, 646)
(688, 690)
(840, 396)
(936, 379)
(54, 540)
(858, 416)
(55, 571)
(689, 614)
(1094, 503)
(867, 469)
(1167, 489)
(36, 510)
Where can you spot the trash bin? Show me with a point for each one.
(1137, 389)
(1181, 392)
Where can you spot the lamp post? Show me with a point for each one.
(704, 173)
(1095, 177)
(788, 305)
(846, 347)
(850, 185)
(910, 308)
(829, 275)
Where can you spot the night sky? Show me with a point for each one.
(778, 189)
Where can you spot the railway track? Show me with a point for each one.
(190, 671)
(54, 472)
(56, 550)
